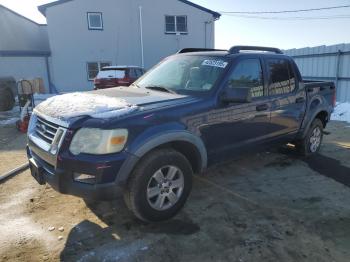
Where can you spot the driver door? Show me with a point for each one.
(233, 125)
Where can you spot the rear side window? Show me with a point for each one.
(281, 77)
(139, 72)
(132, 73)
(248, 74)
(106, 74)
(119, 73)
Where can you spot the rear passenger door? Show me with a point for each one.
(287, 100)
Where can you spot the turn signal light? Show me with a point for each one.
(118, 140)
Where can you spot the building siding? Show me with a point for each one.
(22, 47)
(327, 63)
(73, 44)
(19, 33)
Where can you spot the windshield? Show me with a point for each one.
(181, 74)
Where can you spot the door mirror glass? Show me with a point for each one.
(237, 95)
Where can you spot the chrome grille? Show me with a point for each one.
(45, 130)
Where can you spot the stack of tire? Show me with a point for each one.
(7, 93)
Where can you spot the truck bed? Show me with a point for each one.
(322, 88)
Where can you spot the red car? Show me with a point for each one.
(111, 76)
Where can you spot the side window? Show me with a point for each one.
(92, 70)
(94, 67)
(248, 74)
(281, 77)
(181, 24)
(292, 78)
(138, 73)
(132, 73)
(95, 21)
(176, 24)
(170, 26)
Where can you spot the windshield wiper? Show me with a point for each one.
(160, 88)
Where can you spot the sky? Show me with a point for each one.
(233, 30)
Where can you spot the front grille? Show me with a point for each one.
(45, 130)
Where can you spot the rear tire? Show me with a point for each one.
(311, 143)
(159, 186)
(7, 100)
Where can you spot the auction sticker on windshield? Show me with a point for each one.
(215, 63)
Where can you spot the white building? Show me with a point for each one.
(85, 35)
(24, 47)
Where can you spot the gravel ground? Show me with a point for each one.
(268, 206)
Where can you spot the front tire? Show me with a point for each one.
(311, 143)
(159, 186)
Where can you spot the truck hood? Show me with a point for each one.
(107, 103)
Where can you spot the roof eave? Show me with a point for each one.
(42, 8)
(24, 53)
(216, 15)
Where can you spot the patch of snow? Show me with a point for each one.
(82, 104)
(9, 117)
(341, 112)
(12, 116)
(9, 121)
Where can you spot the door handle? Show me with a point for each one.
(262, 107)
(300, 100)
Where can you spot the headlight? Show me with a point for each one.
(98, 141)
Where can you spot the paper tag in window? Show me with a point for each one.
(215, 63)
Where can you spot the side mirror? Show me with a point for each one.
(236, 95)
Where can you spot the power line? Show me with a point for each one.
(291, 18)
(286, 11)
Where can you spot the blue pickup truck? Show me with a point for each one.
(187, 113)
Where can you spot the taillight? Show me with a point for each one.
(334, 98)
(124, 80)
(97, 81)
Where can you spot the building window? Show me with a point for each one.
(176, 24)
(94, 67)
(95, 21)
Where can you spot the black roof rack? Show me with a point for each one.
(188, 50)
(238, 48)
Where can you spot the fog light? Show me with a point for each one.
(85, 178)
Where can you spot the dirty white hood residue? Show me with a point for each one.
(85, 104)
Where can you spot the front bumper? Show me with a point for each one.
(58, 172)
